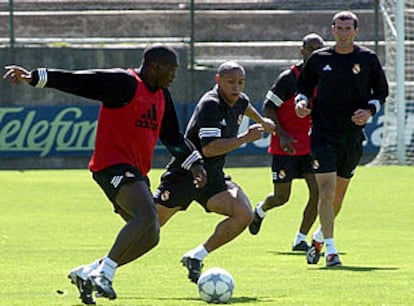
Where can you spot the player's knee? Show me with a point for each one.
(326, 196)
(244, 214)
(153, 232)
(150, 225)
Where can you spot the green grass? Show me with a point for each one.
(51, 221)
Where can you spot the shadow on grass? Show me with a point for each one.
(235, 299)
(297, 253)
(346, 268)
(359, 269)
(243, 299)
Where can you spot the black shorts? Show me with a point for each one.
(178, 190)
(285, 168)
(112, 178)
(340, 157)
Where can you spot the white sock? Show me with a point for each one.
(199, 252)
(107, 267)
(330, 247)
(318, 235)
(299, 237)
(260, 211)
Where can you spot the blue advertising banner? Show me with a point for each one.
(59, 131)
(47, 131)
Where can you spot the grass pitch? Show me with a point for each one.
(53, 220)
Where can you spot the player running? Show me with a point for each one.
(136, 110)
(290, 147)
(213, 128)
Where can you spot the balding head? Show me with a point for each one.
(230, 66)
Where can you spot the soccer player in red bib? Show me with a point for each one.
(136, 110)
(290, 147)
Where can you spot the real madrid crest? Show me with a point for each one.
(356, 69)
(165, 196)
(315, 164)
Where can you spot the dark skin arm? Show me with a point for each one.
(286, 139)
(177, 144)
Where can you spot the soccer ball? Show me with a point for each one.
(216, 285)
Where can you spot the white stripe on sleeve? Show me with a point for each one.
(209, 132)
(42, 72)
(189, 161)
(274, 98)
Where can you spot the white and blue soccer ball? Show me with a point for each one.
(216, 286)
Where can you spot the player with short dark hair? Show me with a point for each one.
(136, 110)
(213, 128)
(351, 88)
(290, 147)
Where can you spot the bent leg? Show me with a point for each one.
(234, 204)
(141, 232)
(165, 213)
(280, 195)
(310, 212)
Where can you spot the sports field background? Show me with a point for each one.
(54, 220)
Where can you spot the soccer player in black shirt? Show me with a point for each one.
(213, 129)
(351, 88)
(290, 147)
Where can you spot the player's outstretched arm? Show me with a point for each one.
(113, 87)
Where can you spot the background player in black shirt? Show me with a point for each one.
(351, 88)
(213, 128)
(290, 147)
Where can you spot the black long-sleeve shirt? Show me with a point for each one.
(345, 83)
(116, 88)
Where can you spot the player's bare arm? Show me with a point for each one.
(267, 123)
(286, 140)
(225, 145)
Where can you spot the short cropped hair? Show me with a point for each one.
(311, 38)
(159, 53)
(346, 15)
(229, 66)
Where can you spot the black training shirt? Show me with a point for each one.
(345, 82)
